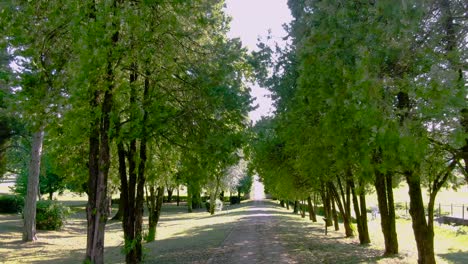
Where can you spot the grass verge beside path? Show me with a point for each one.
(307, 239)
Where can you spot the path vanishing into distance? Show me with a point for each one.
(254, 238)
(260, 231)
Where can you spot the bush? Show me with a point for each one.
(11, 204)
(51, 215)
(462, 230)
(234, 200)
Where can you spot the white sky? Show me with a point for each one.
(252, 19)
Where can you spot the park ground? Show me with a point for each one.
(252, 232)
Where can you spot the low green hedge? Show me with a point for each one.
(11, 204)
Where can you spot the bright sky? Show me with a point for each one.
(252, 19)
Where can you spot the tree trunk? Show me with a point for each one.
(154, 209)
(312, 215)
(287, 204)
(212, 203)
(423, 234)
(365, 228)
(361, 214)
(326, 206)
(99, 163)
(383, 187)
(189, 198)
(302, 206)
(346, 220)
(296, 207)
(178, 196)
(196, 199)
(193, 197)
(141, 180)
(464, 151)
(99, 157)
(335, 215)
(133, 207)
(214, 196)
(170, 191)
(29, 229)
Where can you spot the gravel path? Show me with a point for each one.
(254, 239)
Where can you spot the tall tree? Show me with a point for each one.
(39, 48)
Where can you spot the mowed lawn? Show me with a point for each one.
(196, 237)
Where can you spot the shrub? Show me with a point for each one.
(11, 204)
(51, 215)
(462, 230)
(234, 200)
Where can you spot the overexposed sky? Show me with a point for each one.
(252, 19)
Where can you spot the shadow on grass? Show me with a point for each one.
(196, 245)
(316, 247)
(456, 257)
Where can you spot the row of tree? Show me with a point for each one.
(367, 94)
(144, 94)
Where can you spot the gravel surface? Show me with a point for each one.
(254, 239)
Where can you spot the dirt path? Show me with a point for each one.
(254, 239)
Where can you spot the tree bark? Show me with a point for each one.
(335, 214)
(464, 149)
(141, 180)
(302, 206)
(99, 163)
(29, 228)
(361, 214)
(213, 195)
(326, 206)
(193, 196)
(346, 216)
(423, 234)
(133, 190)
(155, 202)
(170, 191)
(178, 196)
(383, 186)
(189, 198)
(312, 215)
(99, 156)
(296, 207)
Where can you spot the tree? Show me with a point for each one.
(38, 48)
